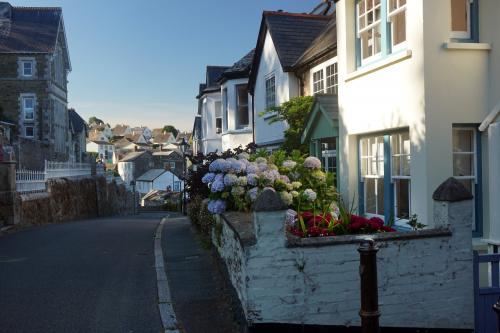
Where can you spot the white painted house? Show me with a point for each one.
(412, 94)
(158, 179)
(210, 110)
(283, 38)
(104, 150)
(237, 120)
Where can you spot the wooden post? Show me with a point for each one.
(369, 312)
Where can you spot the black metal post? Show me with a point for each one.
(369, 312)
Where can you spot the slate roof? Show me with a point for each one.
(119, 130)
(76, 122)
(291, 33)
(30, 29)
(122, 143)
(162, 137)
(212, 76)
(133, 156)
(328, 107)
(134, 137)
(240, 69)
(151, 175)
(95, 135)
(323, 44)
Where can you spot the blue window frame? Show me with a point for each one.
(380, 27)
(385, 178)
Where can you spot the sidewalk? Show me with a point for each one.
(198, 295)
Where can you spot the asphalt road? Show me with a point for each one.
(86, 276)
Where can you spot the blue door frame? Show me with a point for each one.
(485, 318)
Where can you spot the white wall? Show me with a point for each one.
(126, 171)
(287, 86)
(165, 180)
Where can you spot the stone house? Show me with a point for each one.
(283, 38)
(210, 110)
(168, 160)
(34, 64)
(135, 164)
(237, 120)
(78, 130)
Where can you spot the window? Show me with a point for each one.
(218, 117)
(332, 79)
(177, 186)
(270, 92)
(318, 83)
(401, 176)
(396, 15)
(29, 131)
(225, 103)
(27, 68)
(372, 173)
(172, 165)
(369, 27)
(28, 108)
(460, 18)
(242, 105)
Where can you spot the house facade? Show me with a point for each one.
(169, 160)
(210, 109)
(34, 65)
(237, 120)
(103, 150)
(283, 38)
(158, 179)
(414, 86)
(135, 164)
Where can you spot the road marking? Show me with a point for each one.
(167, 313)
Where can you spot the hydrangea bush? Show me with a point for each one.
(236, 182)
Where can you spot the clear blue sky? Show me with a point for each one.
(140, 62)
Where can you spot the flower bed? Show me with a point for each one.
(315, 207)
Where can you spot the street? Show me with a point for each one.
(85, 276)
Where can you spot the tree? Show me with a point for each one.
(295, 113)
(95, 120)
(171, 129)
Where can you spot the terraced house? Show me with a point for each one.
(34, 65)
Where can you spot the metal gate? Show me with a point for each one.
(484, 297)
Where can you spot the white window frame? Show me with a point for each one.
(270, 92)
(376, 159)
(318, 82)
(394, 13)
(218, 115)
(322, 67)
(25, 131)
(399, 175)
(240, 125)
(23, 68)
(369, 26)
(25, 109)
(172, 165)
(461, 34)
(334, 76)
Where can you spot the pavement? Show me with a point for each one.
(87, 276)
(199, 297)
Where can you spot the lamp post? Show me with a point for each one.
(184, 146)
(369, 312)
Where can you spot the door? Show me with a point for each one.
(486, 294)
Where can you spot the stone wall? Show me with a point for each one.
(425, 277)
(68, 200)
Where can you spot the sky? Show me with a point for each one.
(140, 62)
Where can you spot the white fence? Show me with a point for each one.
(29, 181)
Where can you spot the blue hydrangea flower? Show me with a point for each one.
(252, 168)
(253, 193)
(217, 186)
(252, 179)
(216, 206)
(230, 179)
(219, 177)
(208, 178)
(312, 163)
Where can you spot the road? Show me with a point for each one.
(85, 276)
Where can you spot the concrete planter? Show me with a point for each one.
(425, 277)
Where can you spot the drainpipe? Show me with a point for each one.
(253, 117)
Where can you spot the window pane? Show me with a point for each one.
(402, 188)
(463, 165)
(370, 196)
(218, 110)
(29, 131)
(463, 140)
(380, 196)
(399, 28)
(28, 103)
(459, 19)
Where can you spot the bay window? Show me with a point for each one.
(218, 117)
(225, 103)
(396, 15)
(369, 27)
(401, 176)
(372, 173)
(242, 106)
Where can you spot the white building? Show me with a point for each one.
(283, 38)
(158, 179)
(104, 150)
(145, 131)
(411, 100)
(210, 110)
(237, 121)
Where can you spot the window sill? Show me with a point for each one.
(238, 131)
(380, 64)
(466, 46)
